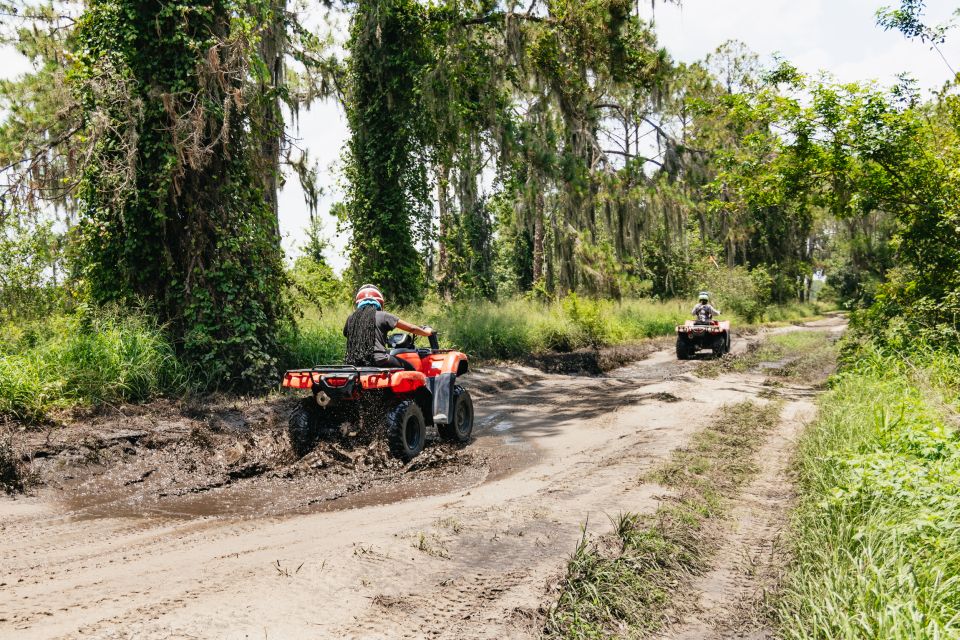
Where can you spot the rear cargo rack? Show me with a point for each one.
(344, 369)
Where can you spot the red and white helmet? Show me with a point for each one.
(369, 292)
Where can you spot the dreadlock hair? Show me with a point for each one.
(361, 330)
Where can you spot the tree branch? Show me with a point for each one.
(502, 17)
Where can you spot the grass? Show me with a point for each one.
(84, 360)
(513, 329)
(624, 584)
(103, 357)
(876, 536)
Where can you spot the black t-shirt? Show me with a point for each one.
(385, 322)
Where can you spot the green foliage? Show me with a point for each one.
(746, 293)
(30, 266)
(469, 268)
(317, 339)
(513, 252)
(587, 316)
(875, 544)
(509, 328)
(86, 358)
(315, 283)
(176, 207)
(40, 149)
(907, 20)
(517, 328)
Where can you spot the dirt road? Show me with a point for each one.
(469, 544)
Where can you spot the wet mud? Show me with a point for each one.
(226, 458)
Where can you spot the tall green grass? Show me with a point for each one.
(96, 357)
(498, 330)
(84, 359)
(513, 328)
(876, 535)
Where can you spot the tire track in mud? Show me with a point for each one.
(475, 561)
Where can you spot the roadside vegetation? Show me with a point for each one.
(625, 583)
(93, 357)
(87, 359)
(514, 328)
(875, 539)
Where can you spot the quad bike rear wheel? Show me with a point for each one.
(461, 427)
(406, 430)
(719, 347)
(683, 347)
(304, 426)
(309, 421)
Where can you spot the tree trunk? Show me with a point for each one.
(443, 206)
(272, 46)
(538, 235)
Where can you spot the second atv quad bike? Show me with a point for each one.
(403, 401)
(694, 336)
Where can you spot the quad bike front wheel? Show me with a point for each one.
(406, 430)
(461, 427)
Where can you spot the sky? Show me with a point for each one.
(836, 36)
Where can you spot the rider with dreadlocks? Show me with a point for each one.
(366, 332)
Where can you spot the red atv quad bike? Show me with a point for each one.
(407, 400)
(693, 336)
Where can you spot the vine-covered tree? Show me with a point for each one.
(174, 208)
(388, 201)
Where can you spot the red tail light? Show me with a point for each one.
(336, 381)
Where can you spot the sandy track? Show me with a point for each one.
(729, 600)
(476, 562)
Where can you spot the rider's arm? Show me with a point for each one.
(411, 328)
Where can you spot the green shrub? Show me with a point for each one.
(587, 316)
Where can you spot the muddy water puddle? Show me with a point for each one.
(271, 497)
(494, 454)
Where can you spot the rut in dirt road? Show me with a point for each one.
(478, 560)
(730, 600)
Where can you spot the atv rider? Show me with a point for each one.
(704, 312)
(366, 332)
